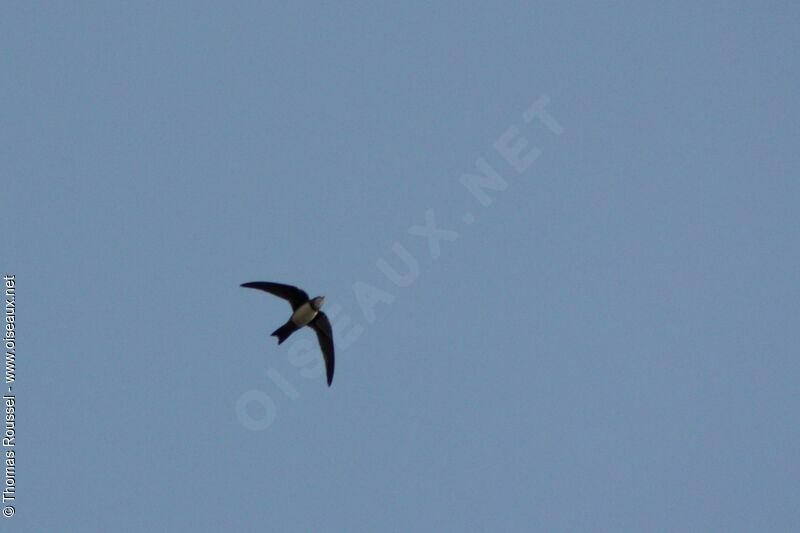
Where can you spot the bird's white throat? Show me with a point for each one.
(304, 314)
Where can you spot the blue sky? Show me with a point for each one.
(609, 345)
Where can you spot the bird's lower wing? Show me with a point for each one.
(322, 327)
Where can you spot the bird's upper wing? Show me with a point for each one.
(295, 296)
(322, 326)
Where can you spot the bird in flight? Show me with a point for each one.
(305, 312)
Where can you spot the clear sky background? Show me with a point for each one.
(611, 345)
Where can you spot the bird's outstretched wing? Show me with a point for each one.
(295, 296)
(322, 326)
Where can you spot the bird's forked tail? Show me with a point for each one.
(284, 331)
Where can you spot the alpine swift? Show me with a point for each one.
(305, 312)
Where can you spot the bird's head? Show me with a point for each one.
(317, 302)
